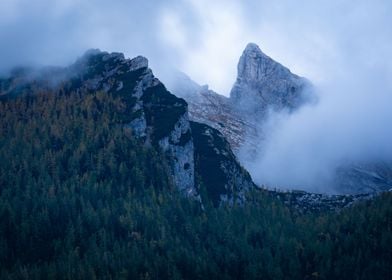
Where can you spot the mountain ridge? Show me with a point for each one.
(152, 114)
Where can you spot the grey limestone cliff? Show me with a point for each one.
(263, 83)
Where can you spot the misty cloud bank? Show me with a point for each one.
(351, 123)
(343, 47)
(200, 37)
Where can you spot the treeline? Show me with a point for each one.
(81, 198)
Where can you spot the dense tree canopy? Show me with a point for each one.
(81, 198)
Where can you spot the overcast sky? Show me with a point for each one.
(203, 38)
(343, 47)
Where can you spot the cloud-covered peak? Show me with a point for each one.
(256, 66)
(253, 49)
(262, 82)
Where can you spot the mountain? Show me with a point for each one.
(263, 84)
(151, 113)
(88, 191)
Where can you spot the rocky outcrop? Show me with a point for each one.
(263, 83)
(206, 106)
(156, 115)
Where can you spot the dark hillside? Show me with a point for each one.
(81, 198)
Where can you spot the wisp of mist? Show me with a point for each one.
(350, 123)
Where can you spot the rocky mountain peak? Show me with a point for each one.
(256, 66)
(139, 62)
(252, 47)
(264, 83)
(95, 61)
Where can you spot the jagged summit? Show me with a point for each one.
(101, 60)
(252, 47)
(254, 65)
(252, 50)
(264, 83)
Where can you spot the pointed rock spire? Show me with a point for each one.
(254, 65)
(262, 82)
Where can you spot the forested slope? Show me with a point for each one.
(82, 198)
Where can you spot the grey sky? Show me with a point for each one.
(343, 47)
(203, 38)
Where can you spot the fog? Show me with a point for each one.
(343, 47)
(351, 123)
(200, 37)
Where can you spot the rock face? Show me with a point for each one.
(264, 83)
(153, 115)
(156, 115)
(368, 177)
(229, 181)
(206, 106)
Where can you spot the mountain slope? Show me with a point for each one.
(206, 106)
(81, 197)
(154, 114)
(364, 177)
(150, 112)
(219, 172)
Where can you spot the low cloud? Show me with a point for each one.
(351, 123)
